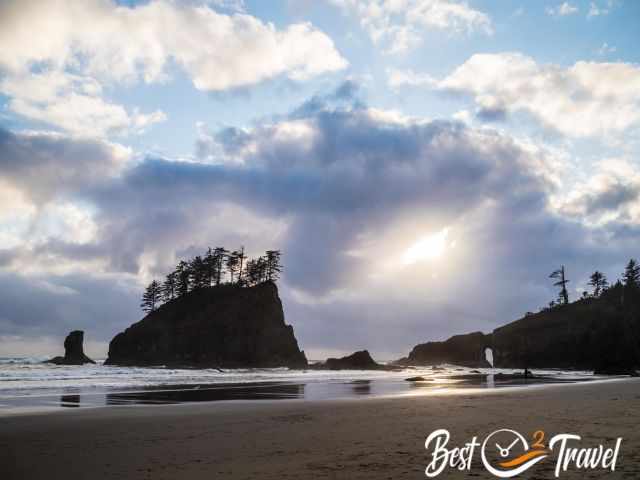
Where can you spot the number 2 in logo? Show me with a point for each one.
(538, 439)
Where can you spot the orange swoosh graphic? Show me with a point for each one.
(523, 458)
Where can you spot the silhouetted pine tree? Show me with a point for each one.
(631, 275)
(232, 263)
(599, 282)
(198, 272)
(219, 263)
(241, 264)
(273, 266)
(563, 296)
(210, 267)
(183, 278)
(151, 297)
(256, 271)
(169, 288)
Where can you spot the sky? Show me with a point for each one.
(423, 165)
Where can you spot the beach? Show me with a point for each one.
(377, 437)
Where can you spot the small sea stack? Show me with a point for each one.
(360, 360)
(73, 350)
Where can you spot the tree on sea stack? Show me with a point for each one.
(169, 287)
(183, 278)
(232, 264)
(199, 275)
(273, 266)
(202, 272)
(151, 297)
(631, 276)
(241, 265)
(256, 271)
(218, 261)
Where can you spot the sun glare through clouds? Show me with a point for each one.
(428, 247)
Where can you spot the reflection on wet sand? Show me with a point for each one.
(207, 393)
(272, 390)
(482, 380)
(70, 401)
(361, 387)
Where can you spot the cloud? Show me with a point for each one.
(605, 49)
(45, 165)
(596, 10)
(84, 45)
(400, 23)
(587, 99)
(343, 189)
(611, 195)
(562, 10)
(41, 306)
(73, 103)
(408, 78)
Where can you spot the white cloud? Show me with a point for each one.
(119, 43)
(73, 103)
(606, 49)
(400, 78)
(399, 23)
(611, 194)
(562, 10)
(83, 45)
(596, 10)
(586, 99)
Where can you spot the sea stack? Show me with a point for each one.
(223, 326)
(73, 350)
(360, 360)
(466, 350)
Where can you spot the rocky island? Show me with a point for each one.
(219, 326)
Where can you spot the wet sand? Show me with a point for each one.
(358, 438)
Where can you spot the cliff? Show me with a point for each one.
(224, 326)
(600, 334)
(592, 334)
(73, 350)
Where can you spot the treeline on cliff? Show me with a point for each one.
(217, 266)
(598, 281)
(610, 316)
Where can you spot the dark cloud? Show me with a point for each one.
(43, 165)
(42, 305)
(494, 114)
(611, 199)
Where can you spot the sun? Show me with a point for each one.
(429, 247)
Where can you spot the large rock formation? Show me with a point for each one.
(356, 361)
(467, 350)
(600, 334)
(591, 334)
(73, 350)
(224, 326)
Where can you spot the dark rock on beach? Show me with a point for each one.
(356, 361)
(73, 350)
(466, 350)
(223, 326)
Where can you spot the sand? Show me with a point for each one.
(372, 438)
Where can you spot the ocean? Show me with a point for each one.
(27, 385)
